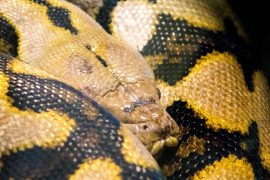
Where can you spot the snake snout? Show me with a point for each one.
(158, 132)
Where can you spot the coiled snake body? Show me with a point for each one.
(175, 79)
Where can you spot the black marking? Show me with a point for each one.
(59, 16)
(88, 47)
(218, 144)
(192, 43)
(9, 35)
(159, 93)
(173, 72)
(104, 15)
(101, 60)
(243, 54)
(40, 95)
(153, 1)
(41, 2)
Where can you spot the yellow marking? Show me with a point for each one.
(21, 130)
(227, 168)
(103, 168)
(134, 152)
(193, 145)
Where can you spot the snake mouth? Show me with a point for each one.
(153, 143)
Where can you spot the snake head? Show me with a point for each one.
(137, 106)
(158, 131)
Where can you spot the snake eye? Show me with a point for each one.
(159, 93)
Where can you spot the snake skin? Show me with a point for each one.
(70, 94)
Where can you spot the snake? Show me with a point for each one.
(130, 89)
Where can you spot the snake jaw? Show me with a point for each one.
(157, 146)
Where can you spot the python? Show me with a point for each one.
(56, 59)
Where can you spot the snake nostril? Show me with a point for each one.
(166, 129)
(145, 127)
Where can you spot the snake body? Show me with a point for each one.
(71, 94)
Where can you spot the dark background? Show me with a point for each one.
(255, 20)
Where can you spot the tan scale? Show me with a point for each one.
(71, 58)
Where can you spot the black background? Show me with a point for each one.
(255, 18)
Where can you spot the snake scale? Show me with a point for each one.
(130, 89)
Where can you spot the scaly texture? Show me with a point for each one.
(208, 80)
(205, 77)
